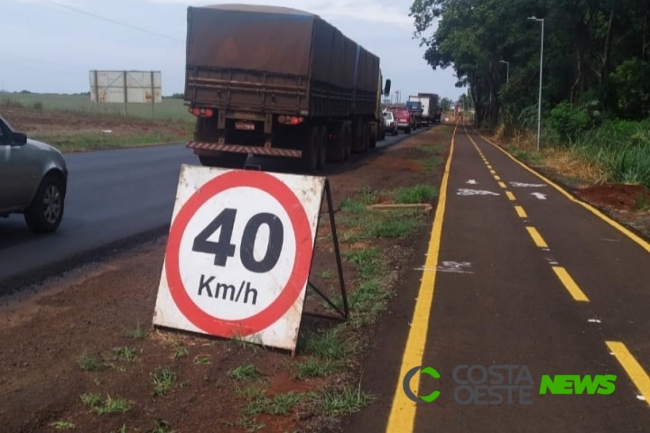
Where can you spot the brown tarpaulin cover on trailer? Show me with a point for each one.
(278, 41)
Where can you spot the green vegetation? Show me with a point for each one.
(107, 406)
(169, 109)
(88, 362)
(62, 425)
(596, 95)
(245, 372)
(162, 379)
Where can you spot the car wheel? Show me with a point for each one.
(45, 213)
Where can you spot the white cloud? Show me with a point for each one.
(365, 10)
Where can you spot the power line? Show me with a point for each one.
(114, 21)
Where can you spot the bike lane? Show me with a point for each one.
(606, 267)
(498, 302)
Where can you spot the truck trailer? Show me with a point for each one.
(430, 108)
(276, 81)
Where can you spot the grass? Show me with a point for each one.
(139, 332)
(125, 354)
(245, 372)
(88, 362)
(106, 406)
(316, 367)
(180, 352)
(72, 142)
(169, 109)
(616, 152)
(163, 380)
(416, 194)
(345, 401)
(62, 425)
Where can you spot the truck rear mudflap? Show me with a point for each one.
(204, 148)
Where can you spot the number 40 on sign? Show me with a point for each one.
(239, 254)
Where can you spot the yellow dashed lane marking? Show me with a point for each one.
(537, 238)
(632, 368)
(521, 212)
(510, 195)
(569, 284)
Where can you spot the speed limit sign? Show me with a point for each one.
(239, 254)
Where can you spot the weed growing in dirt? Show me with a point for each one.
(162, 426)
(139, 333)
(162, 379)
(180, 352)
(396, 227)
(252, 391)
(642, 202)
(416, 194)
(353, 206)
(122, 429)
(62, 425)
(326, 275)
(316, 367)
(125, 354)
(245, 372)
(430, 164)
(345, 401)
(87, 362)
(108, 405)
(366, 260)
(202, 360)
(329, 344)
(368, 196)
(524, 155)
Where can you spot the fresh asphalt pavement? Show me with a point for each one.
(524, 277)
(115, 198)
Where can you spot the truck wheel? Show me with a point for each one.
(337, 151)
(309, 158)
(323, 143)
(225, 160)
(347, 142)
(372, 142)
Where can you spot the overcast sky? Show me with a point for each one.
(47, 47)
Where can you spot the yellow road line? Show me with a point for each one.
(569, 284)
(521, 212)
(497, 177)
(402, 413)
(492, 171)
(632, 368)
(537, 238)
(510, 195)
(502, 185)
(637, 239)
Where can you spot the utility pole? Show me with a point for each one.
(541, 59)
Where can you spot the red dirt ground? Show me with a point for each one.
(96, 308)
(617, 196)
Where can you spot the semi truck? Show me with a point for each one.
(277, 81)
(430, 108)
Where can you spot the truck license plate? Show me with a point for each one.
(245, 126)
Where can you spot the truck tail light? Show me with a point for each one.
(207, 112)
(290, 120)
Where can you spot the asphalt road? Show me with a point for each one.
(521, 276)
(115, 198)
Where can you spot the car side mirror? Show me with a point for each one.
(387, 88)
(19, 138)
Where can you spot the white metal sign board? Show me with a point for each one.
(239, 254)
(126, 87)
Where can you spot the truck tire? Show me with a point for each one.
(309, 159)
(372, 141)
(337, 151)
(407, 130)
(347, 141)
(323, 142)
(224, 160)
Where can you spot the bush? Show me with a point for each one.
(569, 122)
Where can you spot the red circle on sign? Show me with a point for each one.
(297, 279)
